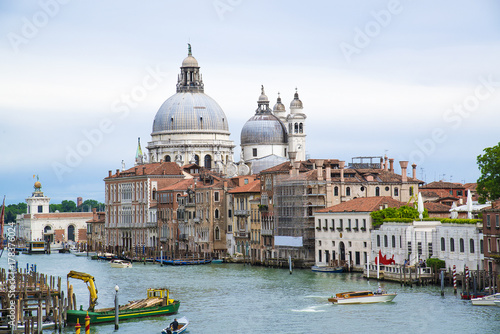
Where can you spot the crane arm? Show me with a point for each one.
(89, 279)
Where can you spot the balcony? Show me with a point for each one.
(183, 236)
(241, 234)
(152, 224)
(266, 232)
(196, 220)
(190, 204)
(241, 212)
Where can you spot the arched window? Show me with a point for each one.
(301, 128)
(296, 126)
(462, 245)
(443, 247)
(377, 191)
(396, 192)
(217, 233)
(393, 241)
(197, 159)
(348, 191)
(167, 158)
(216, 214)
(336, 191)
(452, 245)
(471, 246)
(71, 232)
(208, 161)
(378, 240)
(386, 244)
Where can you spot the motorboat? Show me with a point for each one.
(497, 303)
(120, 264)
(217, 261)
(183, 323)
(326, 269)
(362, 297)
(486, 300)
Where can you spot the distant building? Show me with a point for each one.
(57, 227)
(96, 235)
(491, 231)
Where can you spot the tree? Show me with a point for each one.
(401, 212)
(488, 184)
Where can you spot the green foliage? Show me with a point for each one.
(405, 212)
(88, 205)
(12, 210)
(460, 221)
(488, 184)
(65, 206)
(435, 264)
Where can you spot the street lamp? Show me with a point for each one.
(161, 256)
(116, 307)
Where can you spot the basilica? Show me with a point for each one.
(191, 128)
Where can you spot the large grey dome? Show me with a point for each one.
(188, 112)
(264, 129)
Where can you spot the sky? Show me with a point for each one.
(81, 81)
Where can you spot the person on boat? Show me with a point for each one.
(379, 290)
(174, 325)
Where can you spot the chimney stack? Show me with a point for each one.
(341, 166)
(117, 172)
(404, 166)
(391, 165)
(414, 174)
(109, 173)
(386, 165)
(328, 172)
(319, 167)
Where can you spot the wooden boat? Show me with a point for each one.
(217, 261)
(486, 300)
(327, 269)
(106, 256)
(361, 297)
(183, 323)
(116, 263)
(157, 303)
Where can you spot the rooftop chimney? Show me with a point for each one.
(391, 165)
(109, 173)
(319, 166)
(386, 165)
(414, 174)
(117, 172)
(404, 166)
(328, 172)
(341, 166)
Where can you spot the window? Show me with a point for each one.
(481, 247)
(319, 223)
(488, 221)
(400, 242)
(396, 192)
(471, 246)
(217, 233)
(489, 245)
(393, 241)
(349, 224)
(452, 245)
(443, 245)
(378, 240)
(460, 193)
(208, 161)
(348, 191)
(230, 228)
(254, 152)
(386, 243)
(216, 196)
(462, 245)
(356, 226)
(497, 221)
(216, 214)
(364, 223)
(429, 247)
(409, 248)
(411, 191)
(377, 191)
(386, 188)
(40, 209)
(341, 223)
(167, 158)
(498, 245)
(336, 191)
(333, 224)
(419, 248)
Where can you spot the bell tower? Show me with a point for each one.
(296, 128)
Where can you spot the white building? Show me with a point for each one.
(342, 232)
(39, 224)
(457, 244)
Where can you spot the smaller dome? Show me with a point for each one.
(190, 61)
(263, 97)
(279, 106)
(296, 102)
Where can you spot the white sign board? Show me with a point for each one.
(287, 241)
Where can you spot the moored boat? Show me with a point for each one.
(217, 261)
(326, 269)
(361, 297)
(486, 300)
(182, 322)
(185, 262)
(116, 263)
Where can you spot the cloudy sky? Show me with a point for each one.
(82, 80)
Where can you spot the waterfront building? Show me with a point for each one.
(96, 235)
(131, 199)
(343, 231)
(190, 127)
(456, 244)
(241, 198)
(57, 227)
(491, 235)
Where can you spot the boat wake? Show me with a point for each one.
(311, 309)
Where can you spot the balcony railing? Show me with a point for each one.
(152, 224)
(267, 232)
(196, 220)
(241, 212)
(242, 234)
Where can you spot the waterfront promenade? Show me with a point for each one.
(236, 298)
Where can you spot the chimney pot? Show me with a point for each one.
(109, 173)
(404, 166)
(414, 174)
(391, 165)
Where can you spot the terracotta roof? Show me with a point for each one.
(364, 204)
(443, 185)
(63, 215)
(156, 168)
(181, 185)
(252, 187)
(436, 207)
(428, 193)
(470, 186)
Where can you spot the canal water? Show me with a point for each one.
(236, 298)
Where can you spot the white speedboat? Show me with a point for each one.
(183, 323)
(486, 300)
(120, 264)
(362, 297)
(497, 303)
